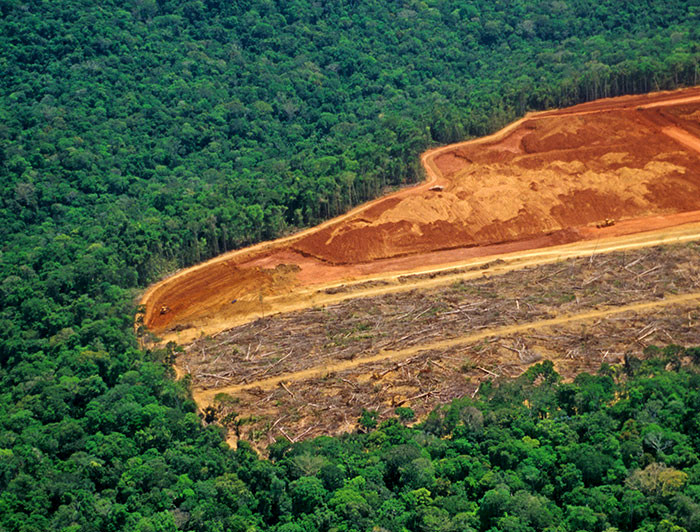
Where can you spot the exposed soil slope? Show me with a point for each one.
(547, 179)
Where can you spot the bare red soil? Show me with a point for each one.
(550, 178)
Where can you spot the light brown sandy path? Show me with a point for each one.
(682, 136)
(635, 101)
(401, 281)
(205, 397)
(673, 101)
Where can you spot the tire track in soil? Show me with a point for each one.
(684, 137)
(205, 397)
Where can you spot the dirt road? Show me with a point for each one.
(683, 137)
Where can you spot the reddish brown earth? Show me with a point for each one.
(545, 180)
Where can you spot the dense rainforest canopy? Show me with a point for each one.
(138, 137)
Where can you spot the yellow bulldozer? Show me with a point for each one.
(605, 223)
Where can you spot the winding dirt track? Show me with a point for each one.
(259, 279)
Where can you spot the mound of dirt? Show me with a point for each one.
(552, 173)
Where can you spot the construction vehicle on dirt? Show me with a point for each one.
(608, 222)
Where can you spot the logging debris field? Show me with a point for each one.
(311, 372)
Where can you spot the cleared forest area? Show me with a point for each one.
(312, 372)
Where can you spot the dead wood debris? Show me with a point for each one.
(359, 328)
